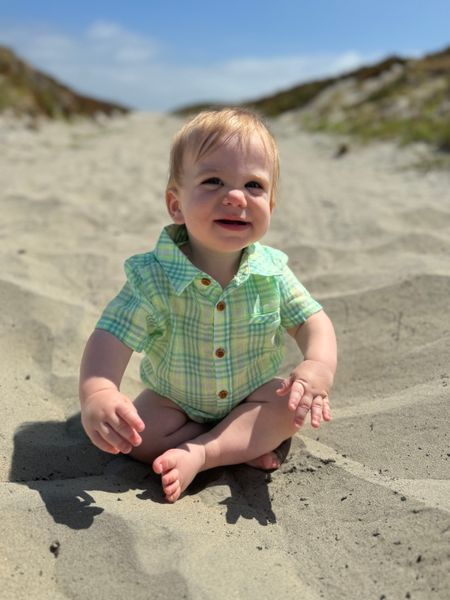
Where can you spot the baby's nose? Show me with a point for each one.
(235, 197)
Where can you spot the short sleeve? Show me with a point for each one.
(129, 316)
(296, 303)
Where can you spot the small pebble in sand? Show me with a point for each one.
(341, 150)
(54, 548)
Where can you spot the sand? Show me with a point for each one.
(361, 508)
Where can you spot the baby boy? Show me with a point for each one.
(208, 308)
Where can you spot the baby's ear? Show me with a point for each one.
(174, 207)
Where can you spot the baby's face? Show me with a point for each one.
(224, 197)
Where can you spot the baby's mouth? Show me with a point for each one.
(232, 222)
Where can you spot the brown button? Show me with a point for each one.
(206, 281)
(223, 394)
(220, 352)
(220, 306)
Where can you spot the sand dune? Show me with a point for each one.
(361, 508)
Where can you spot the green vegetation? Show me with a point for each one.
(294, 99)
(415, 107)
(26, 91)
(406, 100)
(420, 129)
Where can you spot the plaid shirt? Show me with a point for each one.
(206, 348)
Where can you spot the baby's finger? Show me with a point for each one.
(121, 427)
(130, 415)
(316, 411)
(112, 438)
(98, 441)
(284, 387)
(297, 392)
(303, 408)
(326, 412)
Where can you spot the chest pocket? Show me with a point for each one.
(264, 329)
(265, 318)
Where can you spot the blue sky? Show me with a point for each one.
(157, 55)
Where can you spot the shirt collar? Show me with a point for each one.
(256, 260)
(262, 260)
(177, 267)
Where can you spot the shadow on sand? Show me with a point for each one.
(58, 461)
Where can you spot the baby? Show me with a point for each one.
(208, 308)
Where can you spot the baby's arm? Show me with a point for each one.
(109, 418)
(310, 382)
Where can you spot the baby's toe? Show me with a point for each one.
(163, 463)
(173, 493)
(171, 488)
(170, 477)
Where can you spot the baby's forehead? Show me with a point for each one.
(252, 145)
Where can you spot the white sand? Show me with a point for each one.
(360, 509)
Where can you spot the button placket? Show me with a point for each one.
(220, 349)
(209, 289)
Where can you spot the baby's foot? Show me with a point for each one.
(272, 460)
(177, 468)
(266, 462)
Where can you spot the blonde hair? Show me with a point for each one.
(212, 128)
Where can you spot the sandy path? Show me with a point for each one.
(361, 508)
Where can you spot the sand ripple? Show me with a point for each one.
(362, 504)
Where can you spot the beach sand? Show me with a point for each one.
(361, 508)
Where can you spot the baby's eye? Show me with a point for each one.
(212, 181)
(253, 184)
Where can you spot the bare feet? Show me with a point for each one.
(266, 462)
(272, 460)
(178, 467)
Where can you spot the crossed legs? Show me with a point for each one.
(181, 448)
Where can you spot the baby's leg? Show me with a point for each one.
(252, 429)
(166, 426)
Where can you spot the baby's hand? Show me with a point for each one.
(308, 385)
(111, 421)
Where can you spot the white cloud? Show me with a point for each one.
(103, 30)
(119, 44)
(255, 76)
(108, 61)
